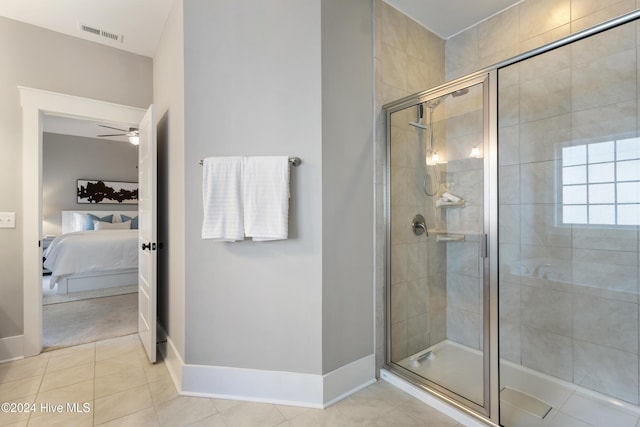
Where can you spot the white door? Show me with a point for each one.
(147, 243)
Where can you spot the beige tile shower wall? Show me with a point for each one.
(408, 59)
(526, 26)
(417, 262)
(568, 294)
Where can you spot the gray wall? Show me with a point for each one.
(168, 97)
(254, 305)
(347, 182)
(65, 159)
(295, 83)
(43, 59)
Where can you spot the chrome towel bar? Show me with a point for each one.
(293, 161)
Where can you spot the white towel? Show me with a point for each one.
(266, 197)
(222, 199)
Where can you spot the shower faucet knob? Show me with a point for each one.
(418, 225)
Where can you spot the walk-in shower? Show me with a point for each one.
(512, 236)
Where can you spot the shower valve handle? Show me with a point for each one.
(418, 225)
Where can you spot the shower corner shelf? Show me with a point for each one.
(449, 237)
(459, 204)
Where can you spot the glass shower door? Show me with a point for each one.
(437, 243)
(569, 205)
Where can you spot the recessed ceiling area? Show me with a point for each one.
(446, 18)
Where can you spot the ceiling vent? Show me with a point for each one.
(102, 33)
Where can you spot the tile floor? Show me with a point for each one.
(112, 384)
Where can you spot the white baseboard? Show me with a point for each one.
(253, 385)
(349, 379)
(276, 387)
(173, 361)
(11, 348)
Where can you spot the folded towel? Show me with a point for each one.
(222, 199)
(266, 197)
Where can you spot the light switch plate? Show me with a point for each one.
(7, 220)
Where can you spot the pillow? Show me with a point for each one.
(134, 220)
(83, 221)
(101, 225)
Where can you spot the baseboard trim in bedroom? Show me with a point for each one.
(278, 387)
(11, 348)
(84, 295)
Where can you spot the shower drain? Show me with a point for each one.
(524, 402)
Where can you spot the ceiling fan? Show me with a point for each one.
(132, 133)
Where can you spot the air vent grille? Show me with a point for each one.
(102, 33)
(89, 29)
(110, 35)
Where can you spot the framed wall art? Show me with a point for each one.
(114, 192)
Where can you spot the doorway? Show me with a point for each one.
(35, 103)
(83, 299)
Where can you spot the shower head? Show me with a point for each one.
(460, 92)
(433, 103)
(419, 124)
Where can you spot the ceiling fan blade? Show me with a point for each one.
(116, 134)
(111, 127)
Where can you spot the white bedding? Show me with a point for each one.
(91, 251)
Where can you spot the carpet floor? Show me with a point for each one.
(79, 322)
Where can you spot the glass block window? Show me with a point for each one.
(601, 183)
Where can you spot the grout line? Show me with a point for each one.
(44, 372)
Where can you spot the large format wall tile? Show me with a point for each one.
(607, 370)
(538, 345)
(606, 322)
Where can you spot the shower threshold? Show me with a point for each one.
(451, 365)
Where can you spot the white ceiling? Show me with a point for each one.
(140, 21)
(79, 127)
(446, 18)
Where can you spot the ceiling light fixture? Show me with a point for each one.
(134, 139)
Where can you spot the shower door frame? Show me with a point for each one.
(489, 410)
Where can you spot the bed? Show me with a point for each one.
(83, 259)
